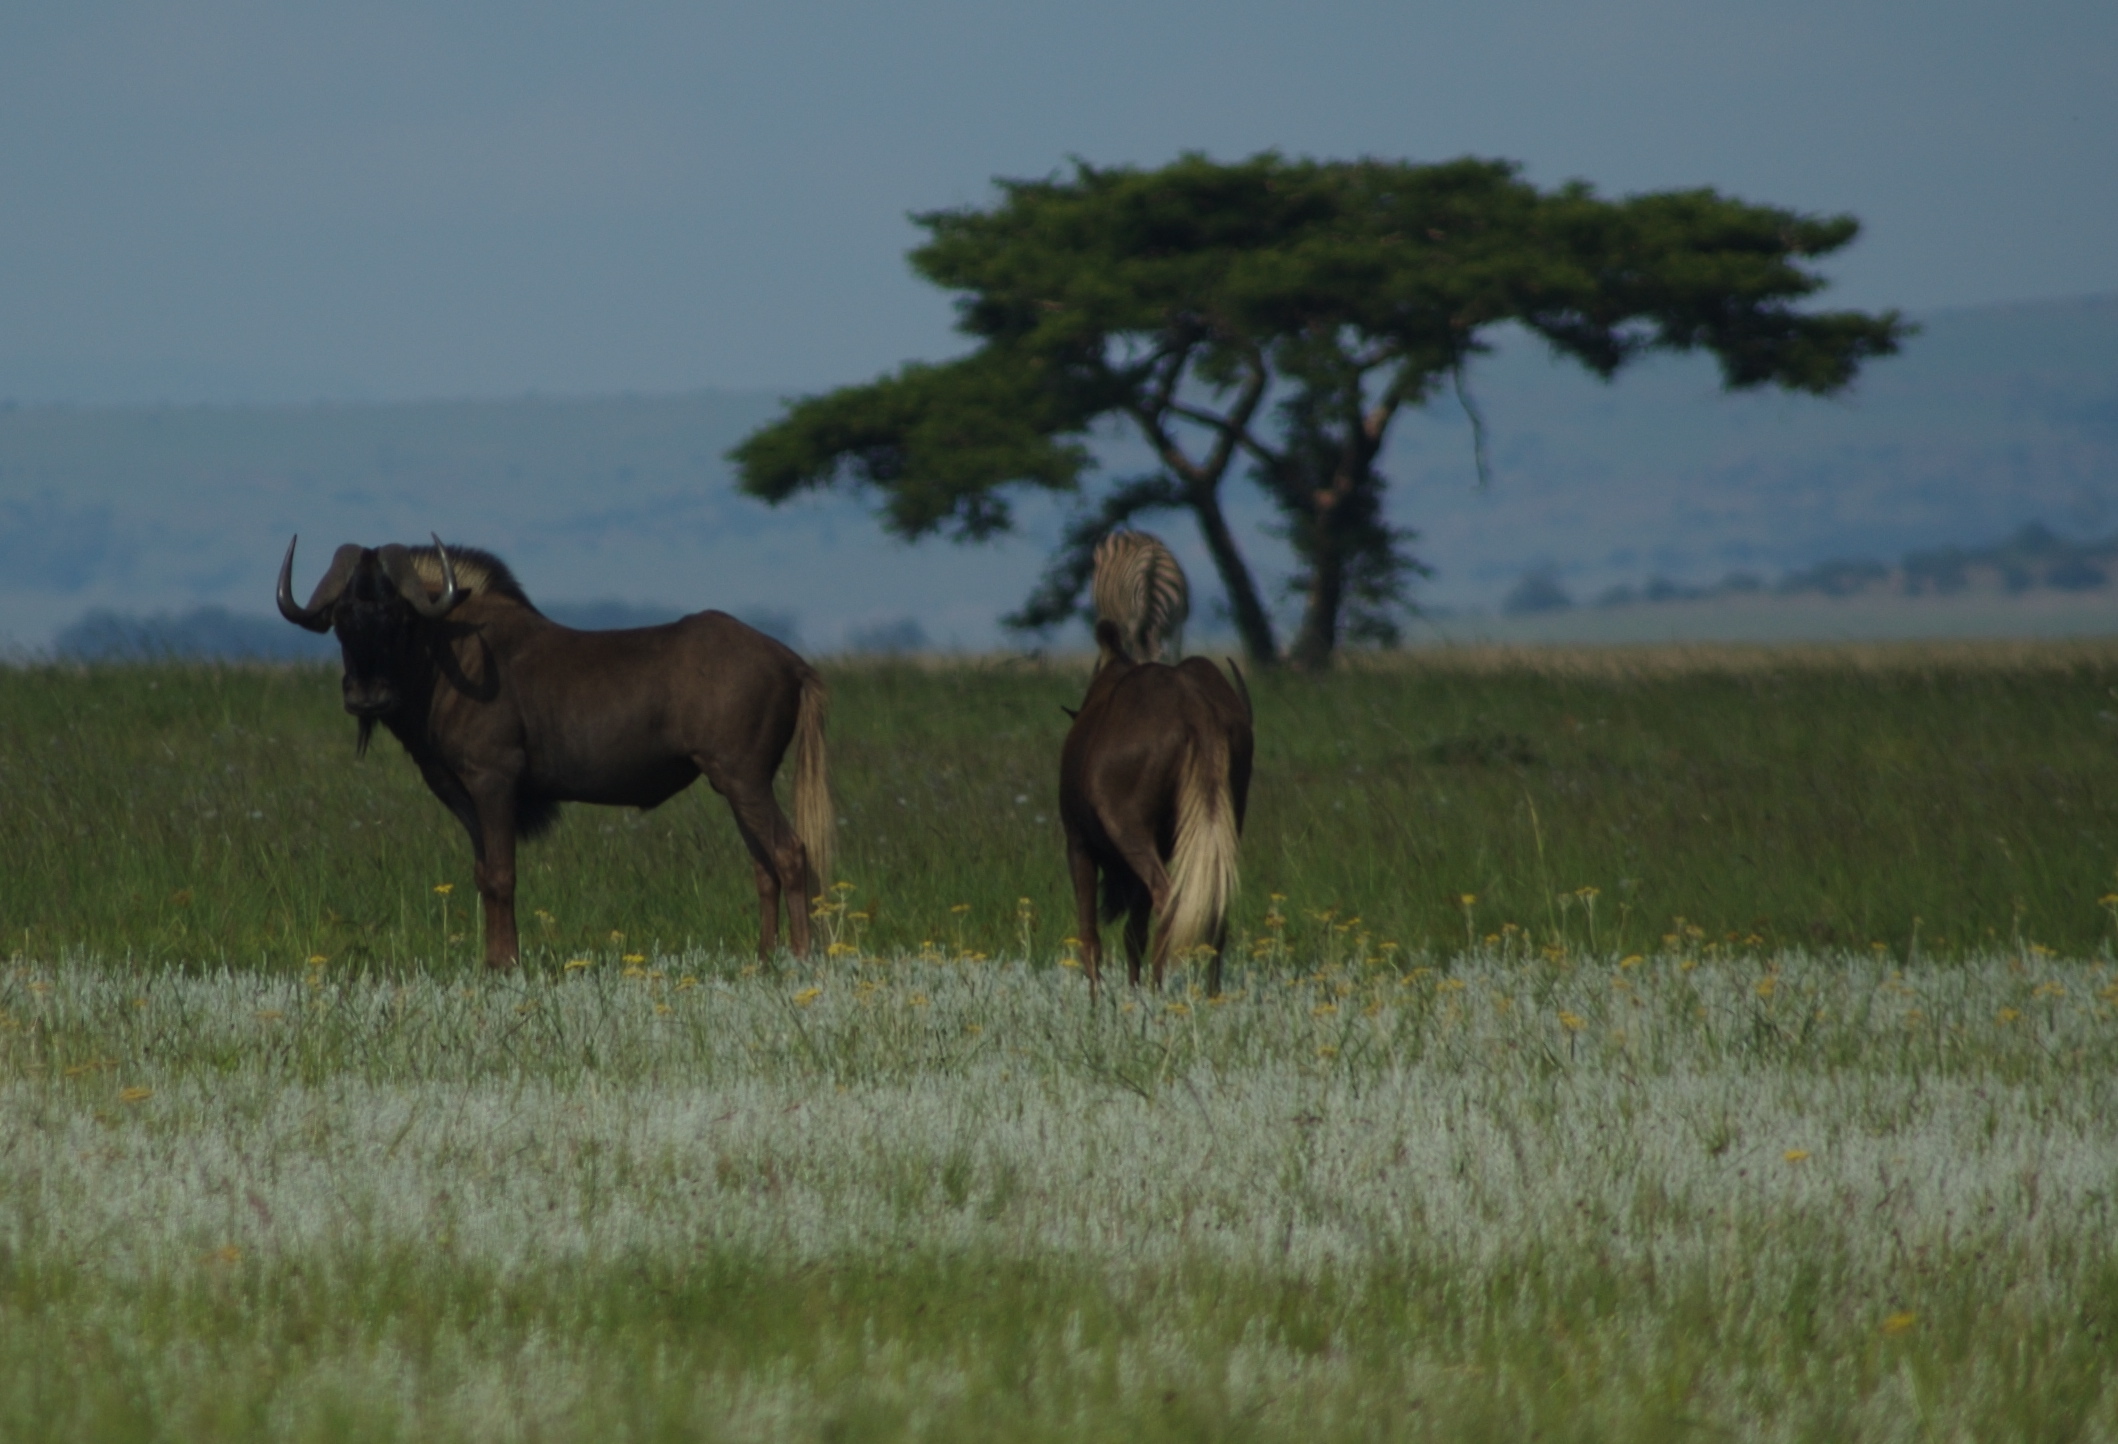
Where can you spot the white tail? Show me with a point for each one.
(1202, 865)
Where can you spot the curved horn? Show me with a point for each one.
(397, 566)
(317, 615)
(450, 595)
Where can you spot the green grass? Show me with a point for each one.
(1965, 798)
(280, 1163)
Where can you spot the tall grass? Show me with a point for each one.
(1783, 1197)
(1927, 800)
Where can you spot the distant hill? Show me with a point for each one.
(2032, 584)
(103, 635)
(1990, 420)
(1993, 419)
(2033, 559)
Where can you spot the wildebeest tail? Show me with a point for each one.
(1202, 864)
(815, 817)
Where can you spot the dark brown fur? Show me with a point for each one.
(508, 714)
(1154, 757)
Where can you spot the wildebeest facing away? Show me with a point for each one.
(509, 714)
(1153, 780)
(1139, 584)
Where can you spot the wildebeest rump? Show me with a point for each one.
(1153, 780)
(508, 714)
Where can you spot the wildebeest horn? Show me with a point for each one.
(397, 566)
(317, 615)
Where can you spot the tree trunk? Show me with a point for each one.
(1329, 540)
(1253, 625)
(1317, 640)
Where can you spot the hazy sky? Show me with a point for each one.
(228, 200)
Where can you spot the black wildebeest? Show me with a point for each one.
(509, 714)
(1153, 780)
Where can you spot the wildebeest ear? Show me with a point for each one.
(1069, 711)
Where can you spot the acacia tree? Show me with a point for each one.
(1282, 314)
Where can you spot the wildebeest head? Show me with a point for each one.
(374, 599)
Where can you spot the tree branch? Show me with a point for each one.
(1478, 424)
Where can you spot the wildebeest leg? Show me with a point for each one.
(487, 812)
(1147, 866)
(1082, 868)
(494, 870)
(780, 861)
(1136, 941)
(495, 875)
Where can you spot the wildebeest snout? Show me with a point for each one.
(369, 696)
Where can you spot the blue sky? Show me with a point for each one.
(233, 200)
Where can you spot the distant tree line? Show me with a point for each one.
(2034, 558)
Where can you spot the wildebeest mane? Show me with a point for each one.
(1139, 584)
(478, 572)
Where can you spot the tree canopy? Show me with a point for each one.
(1282, 313)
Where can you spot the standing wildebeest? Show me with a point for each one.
(509, 714)
(1152, 784)
(1139, 585)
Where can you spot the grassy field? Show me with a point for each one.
(1787, 1198)
(1933, 800)
(1627, 1045)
